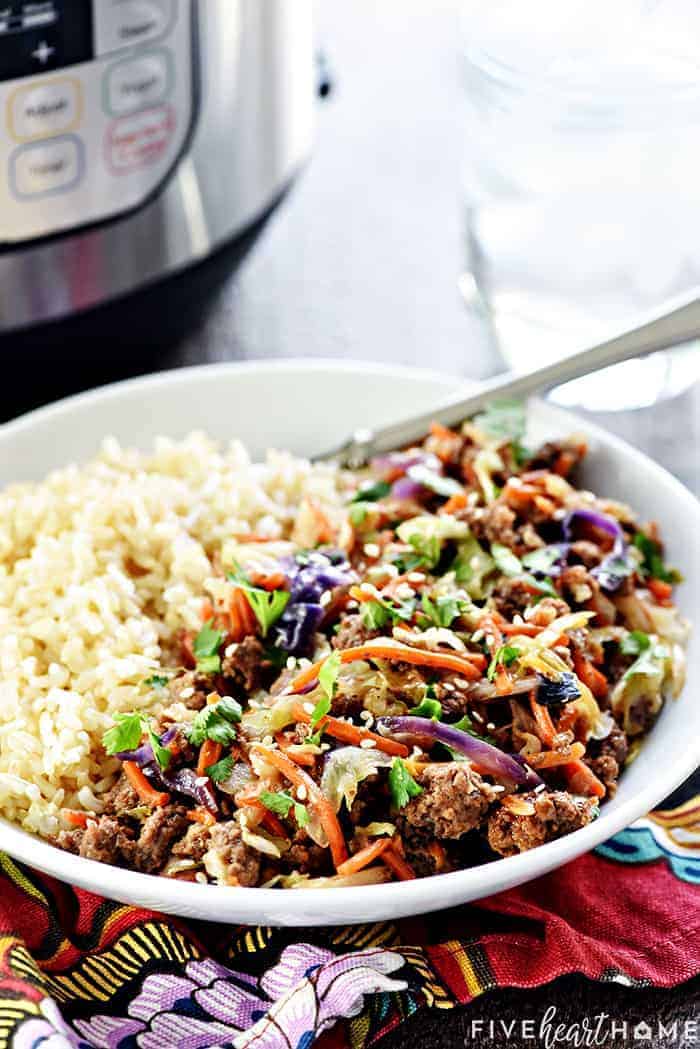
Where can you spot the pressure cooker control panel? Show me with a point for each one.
(96, 102)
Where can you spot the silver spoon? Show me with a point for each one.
(677, 323)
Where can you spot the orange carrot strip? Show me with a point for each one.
(207, 612)
(317, 799)
(249, 623)
(298, 757)
(364, 857)
(267, 819)
(456, 502)
(662, 591)
(143, 788)
(581, 780)
(348, 733)
(77, 819)
(590, 676)
(548, 759)
(201, 816)
(398, 865)
(503, 681)
(209, 754)
(443, 432)
(274, 581)
(543, 720)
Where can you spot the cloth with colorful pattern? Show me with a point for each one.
(78, 972)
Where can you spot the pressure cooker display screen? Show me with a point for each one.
(42, 35)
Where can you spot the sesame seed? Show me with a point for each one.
(371, 549)
(498, 788)
(230, 649)
(268, 741)
(461, 683)
(201, 781)
(477, 636)
(325, 598)
(308, 707)
(325, 747)
(201, 877)
(404, 591)
(474, 563)
(301, 792)
(365, 715)
(187, 693)
(540, 787)
(490, 726)
(391, 570)
(367, 588)
(448, 686)
(518, 619)
(415, 577)
(291, 663)
(367, 744)
(477, 716)
(351, 605)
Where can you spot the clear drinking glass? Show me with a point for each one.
(582, 180)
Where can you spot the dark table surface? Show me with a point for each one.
(362, 260)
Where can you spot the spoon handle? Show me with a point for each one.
(677, 323)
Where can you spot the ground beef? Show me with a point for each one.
(202, 685)
(228, 860)
(194, 844)
(512, 596)
(122, 798)
(306, 857)
(103, 840)
(566, 452)
(245, 666)
(493, 524)
(585, 552)
(556, 814)
(353, 632)
(606, 757)
(581, 590)
(454, 800)
(159, 832)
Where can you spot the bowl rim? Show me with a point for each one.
(421, 895)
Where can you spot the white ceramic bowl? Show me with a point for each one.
(308, 406)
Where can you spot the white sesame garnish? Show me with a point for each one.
(201, 781)
(291, 663)
(301, 792)
(367, 744)
(351, 606)
(404, 591)
(448, 686)
(498, 788)
(187, 693)
(477, 636)
(518, 619)
(371, 550)
(201, 877)
(367, 588)
(460, 682)
(529, 612)
(540, 787)
(268, 741)
(391, 570)
(490, 726)
(474, 563)
(308, 707)
(325, 747)
(476, 716)
(230, 649)
(415, 577)
(325, 598)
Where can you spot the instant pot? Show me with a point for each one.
(140, 136)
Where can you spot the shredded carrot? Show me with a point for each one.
(252, 537)
(591, 677)
(364, 857)
(348, 733)
(201, 816)
(503, 681)
(662, 591)
(398, 865)
(581, 780)
(186, 649)
(249, 623)
(143, 788)
(273, 581)
(543, 720)
(456, 502)
(299, 757)
(548, 759)
(442, 432)
(316, 797)
(207, 612)
(462, 664)
(438, 853)
(77, 819)
(209, 754)
(526, 629)
(267, 819)
(325, 532)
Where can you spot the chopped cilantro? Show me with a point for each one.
(221, 770)
(125, 735)
(206, 647)
(156, 681)
(161, 753)
(372, 492)
(377, 612)
(216, 722)
(281, 803)
(653, 563)
(328, 675)
(444, 609)
(402, 785)
(427, 708)
(503, 657)
(267, 605)
(635, 643)
(465, 724)
(505, 421)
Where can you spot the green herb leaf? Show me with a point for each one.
(156, 681)
(220, 771)
(505, 655)
(506, 421)
(653, 563)
(465, 724)
(216, 722)
(206, 647)
(377, 612)
(372, 492)
(301, 814)
(444, 609)
(402, 785)
(635, 643)
(328, 675)
(281, 803)
(126, 733)
(267, 605)
(161, 753)
(427, 708)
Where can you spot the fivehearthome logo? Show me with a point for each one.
(602, 1029)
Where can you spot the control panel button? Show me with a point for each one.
(45, 109)
(127, 23)
(44, 168)
(138, 83)
(136, 141)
